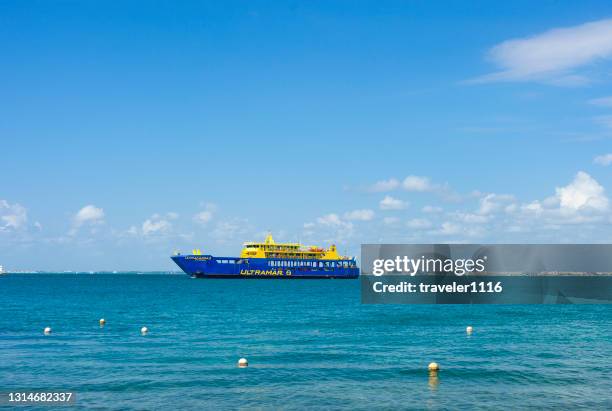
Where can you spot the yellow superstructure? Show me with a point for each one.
(270, 249)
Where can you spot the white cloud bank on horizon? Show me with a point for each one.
(552, 56)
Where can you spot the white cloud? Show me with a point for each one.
(385, 185)
(390, 203)
(492, 203)
(418, 223)
(582, 193)
(602, 101)
(390, 220)
(604, 121)
(582, 201)
(603, 160)
(330, 220)
(469, 218)
(448, 228)
(88, 215)
(227, 231)
(410, 183)
(172, 215)
(13, 216)
(416, 183)
(432, 209)
(451, 229)
(203, 217)
(360, 215)
(155, 225)
(552, 56)
(330, 228)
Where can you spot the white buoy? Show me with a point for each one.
(242, 363)
(469, 329)
(433, 367)
(102, 322)
(144, 330)
(47, 330)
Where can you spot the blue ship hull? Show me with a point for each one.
(207, 266)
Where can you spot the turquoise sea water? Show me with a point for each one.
(309, 344)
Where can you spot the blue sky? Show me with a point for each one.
(132, 129)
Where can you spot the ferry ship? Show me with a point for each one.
(270, 260)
